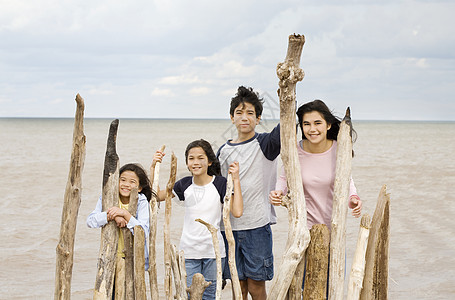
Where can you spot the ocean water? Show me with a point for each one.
(415, 160)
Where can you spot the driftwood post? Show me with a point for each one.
(289, 74)
(237, 290)
(129, 249)
(317, 263)
(340, 209)
(153, 275)
(216, 246)
(358, 263)
(72, 201)
(375, 282)
(139, 263)
(109, 232)
(179, 276)
(167, 235)
(198, 286)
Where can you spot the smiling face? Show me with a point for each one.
(127, 181)
(245, 120)
(197, 162)
(315, 128)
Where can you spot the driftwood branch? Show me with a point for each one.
(179, 277)
(216, 245)
(129, 249)
(71, 204)
(139, 263)
(109, 233)
(340, 209)
(289, 73)
(198, 286)
(237, 290)
(153, 275)
(317, 263)
(167, 235)
(358, 263)
(375, 282)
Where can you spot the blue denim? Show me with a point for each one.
(253, 254)
(207, 267)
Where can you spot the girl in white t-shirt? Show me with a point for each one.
(203, 197)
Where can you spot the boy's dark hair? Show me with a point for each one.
(144, 181)
(247, 95)
(215, 168)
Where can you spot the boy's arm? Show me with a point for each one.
(237, 198)
(270, 143)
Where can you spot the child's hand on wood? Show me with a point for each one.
(234, 170)
(121, 222)
(158, 157)
(356, 205)
(275, 197)
(118, 212)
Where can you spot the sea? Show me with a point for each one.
(415, 160)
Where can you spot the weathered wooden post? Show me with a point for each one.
(340, 209)
(237, 290)
(317, 263)
(289, 74)
(167, 235)
(375, 282)
(358, 263)
(129, 250)
(72, 201)
(153, 275)
(198, 286)
(216, 246)
(109, 232)
(178, 268)
(139, 263)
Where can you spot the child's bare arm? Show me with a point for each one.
(236, 199)
(158, 157)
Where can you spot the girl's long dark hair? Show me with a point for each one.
(144, 181)
(214, 168)
(329, 117)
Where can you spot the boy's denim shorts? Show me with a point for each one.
(253, 254)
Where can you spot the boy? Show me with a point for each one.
(256, 154)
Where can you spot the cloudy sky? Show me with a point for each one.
(386, 59)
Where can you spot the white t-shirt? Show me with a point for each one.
(205, 203)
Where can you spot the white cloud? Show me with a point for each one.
(162, 92)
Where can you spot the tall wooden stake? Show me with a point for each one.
(358, 263)
(375, 282)
(230, 239)
(340, 209)
(129, 248)
(72, 201)
(167, 235)
(153, 276)
(216, 246)
(289, 74)
(317, 263)
(109, 232)
(139, 263)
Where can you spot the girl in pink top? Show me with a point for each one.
(317, 156)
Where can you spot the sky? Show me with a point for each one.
(385, 59)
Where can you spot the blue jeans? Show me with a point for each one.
(253, 254)
(207, 267)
